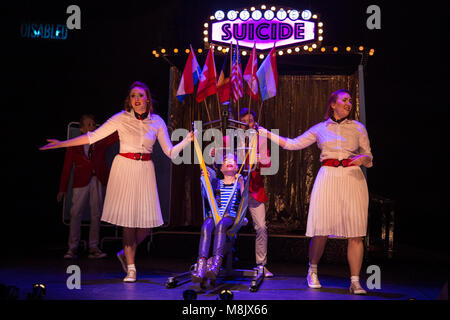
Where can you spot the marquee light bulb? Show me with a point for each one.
(306, 14)
(219, 15)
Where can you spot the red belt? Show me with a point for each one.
(137, 156)
(336, 163)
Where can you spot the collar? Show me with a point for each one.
(141, 116)
(333, 120)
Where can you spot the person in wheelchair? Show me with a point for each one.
(228, 194)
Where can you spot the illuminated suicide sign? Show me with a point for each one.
(248, 28)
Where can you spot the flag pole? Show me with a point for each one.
(231, 70)
(207, 110)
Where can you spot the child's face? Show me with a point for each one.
(229, 165)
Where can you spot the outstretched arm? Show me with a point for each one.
(77, 141)
(301, 142)
(281, 141)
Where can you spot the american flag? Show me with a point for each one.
(237, 86)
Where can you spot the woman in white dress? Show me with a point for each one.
(339, 199)
(131, 199)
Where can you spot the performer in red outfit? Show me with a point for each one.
(257, 192)
(89, 180)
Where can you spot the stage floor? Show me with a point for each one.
(102, 280)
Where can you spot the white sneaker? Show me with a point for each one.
(313, 280)
(131, 276)
(267, 273)
(355, 288)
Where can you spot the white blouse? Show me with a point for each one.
(335, 140)
(136, 136)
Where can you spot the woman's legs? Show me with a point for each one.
(316, 248)
(355, 254)
(132, 237)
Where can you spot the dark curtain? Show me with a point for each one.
(300, 103)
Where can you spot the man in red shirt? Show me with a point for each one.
(89, 180)
(257, 194)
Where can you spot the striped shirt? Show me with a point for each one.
(225, 193)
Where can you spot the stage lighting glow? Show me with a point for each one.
(361, 48)
(256, 15)
(252, 9)
(269, 15)
(335, 49)
(272, 8)
(163, 50)
(187, 50)
(226, 295)
(232, 15)
(199, 50)
(206, 25)
(314, 16)
(297, 49)
(305, 47)
(219, 15)
(244, 15)
(205, 39)
(294, 14)
(38, 293)
(314, 46)
(322, 49)
(348, 49)
(320, 38)
(320, 24)
(263, 7)
(261, 56)
(281, 14)
(280, 52)
(306, 14)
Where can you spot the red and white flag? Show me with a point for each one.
(250, 75)
(237, 86)
(207, 85)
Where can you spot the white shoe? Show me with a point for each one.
(313, 280)
(267, 273)
(131, 276)
(355, 288)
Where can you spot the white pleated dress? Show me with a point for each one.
(131, 194)
(340, 198)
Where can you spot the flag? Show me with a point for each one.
(268, 76)
(223, 83)
(207, 85)
(250, 75)
(190, 77)
(237, 86)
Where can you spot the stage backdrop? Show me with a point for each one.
(300, 103)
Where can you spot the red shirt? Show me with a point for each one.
(256, 187)
(85, 167)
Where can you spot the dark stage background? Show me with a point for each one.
(48, 83)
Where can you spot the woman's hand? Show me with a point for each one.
(263, 131)
(52, 144)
